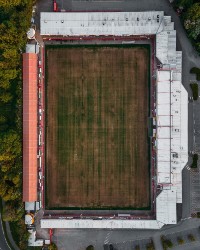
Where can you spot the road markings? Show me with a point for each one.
(106, 241)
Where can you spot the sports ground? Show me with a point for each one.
(96, 127)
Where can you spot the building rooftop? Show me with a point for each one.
(103, 224)
(171, 140)
(101, 23)
(29, 127)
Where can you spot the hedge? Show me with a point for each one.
(195, 160)
(195, 90)
(196, 71)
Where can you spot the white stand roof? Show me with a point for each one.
(172, 103)
(103, 224)
(166, 207)
(101, 23)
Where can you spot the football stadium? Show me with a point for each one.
(105, 121)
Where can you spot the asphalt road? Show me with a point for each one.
(3, 242)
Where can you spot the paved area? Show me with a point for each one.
(121, 239)
(183, 235)
(195, 192)
(195, 173)
(127, 245)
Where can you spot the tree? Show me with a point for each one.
(52, 246)
(5, 167)
(5, 83)
(23, 234)
(180, 240)
(195, 158)
(5, 97)
(15, 18)
(8, 74)
(192, 21)
(12, 194)
(10, 146)
(10, 214)
(90, 247)
(3, 188)
(16, 180)
(2, 119)
(10, 3)
(11, 57)
(150, 246)
(191, 237)
(166, 243)
(184, 3)
(196, 71)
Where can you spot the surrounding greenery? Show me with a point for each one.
(166, 243)
(4, 224)
(15, 18)
(52, 246)
(14, 21)
(191, 237)
(195, 160)
(150, 246)
(196, 71)
(137, 247)
(183, 3)
(195, 90)
(180, 240)
(90, 247)
(191, 19)
(19, 233)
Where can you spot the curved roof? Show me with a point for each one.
(29, 127)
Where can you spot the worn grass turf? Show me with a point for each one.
(96, 127)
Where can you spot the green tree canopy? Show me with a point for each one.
(10, 3)
(10, 214)
(15, 16)
(192, 21)
(5, 97)
(10, 146)
(90, 247)
(52, 246)
(185, 3)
